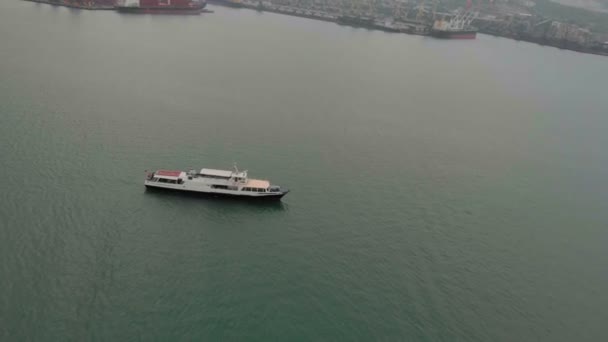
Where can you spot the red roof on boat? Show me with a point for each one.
(168, 173)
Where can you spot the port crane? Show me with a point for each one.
(542, 22)
(422, 10)
(459, 22)
(401, 9)
(397, 11)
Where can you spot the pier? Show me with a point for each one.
(333, 14)
(107, 5)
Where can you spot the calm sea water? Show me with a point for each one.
(442, 190)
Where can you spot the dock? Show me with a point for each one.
(415, 28)
(91, 6)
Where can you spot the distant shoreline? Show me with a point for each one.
(593, 5)
(251, 7)
(541, 42)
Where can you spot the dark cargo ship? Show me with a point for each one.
(229, 3)
(454, 34)
(458, 27)
(162, 6)
(356, 21)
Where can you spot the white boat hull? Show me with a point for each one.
(207, 189)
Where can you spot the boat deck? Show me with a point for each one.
(257, 183)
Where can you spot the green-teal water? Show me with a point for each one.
(441, 190)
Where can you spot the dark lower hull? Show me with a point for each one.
(356, 22)
(160, 10)
(464, 34)
(83, 6)
(227, 3)
(272, 197)
(295, 12)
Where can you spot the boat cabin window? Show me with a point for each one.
(212, 176)
(253, 189)
(215, 186)
(169, 181)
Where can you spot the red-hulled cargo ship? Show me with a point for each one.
(161, 6)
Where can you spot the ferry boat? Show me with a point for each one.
(214, 182)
